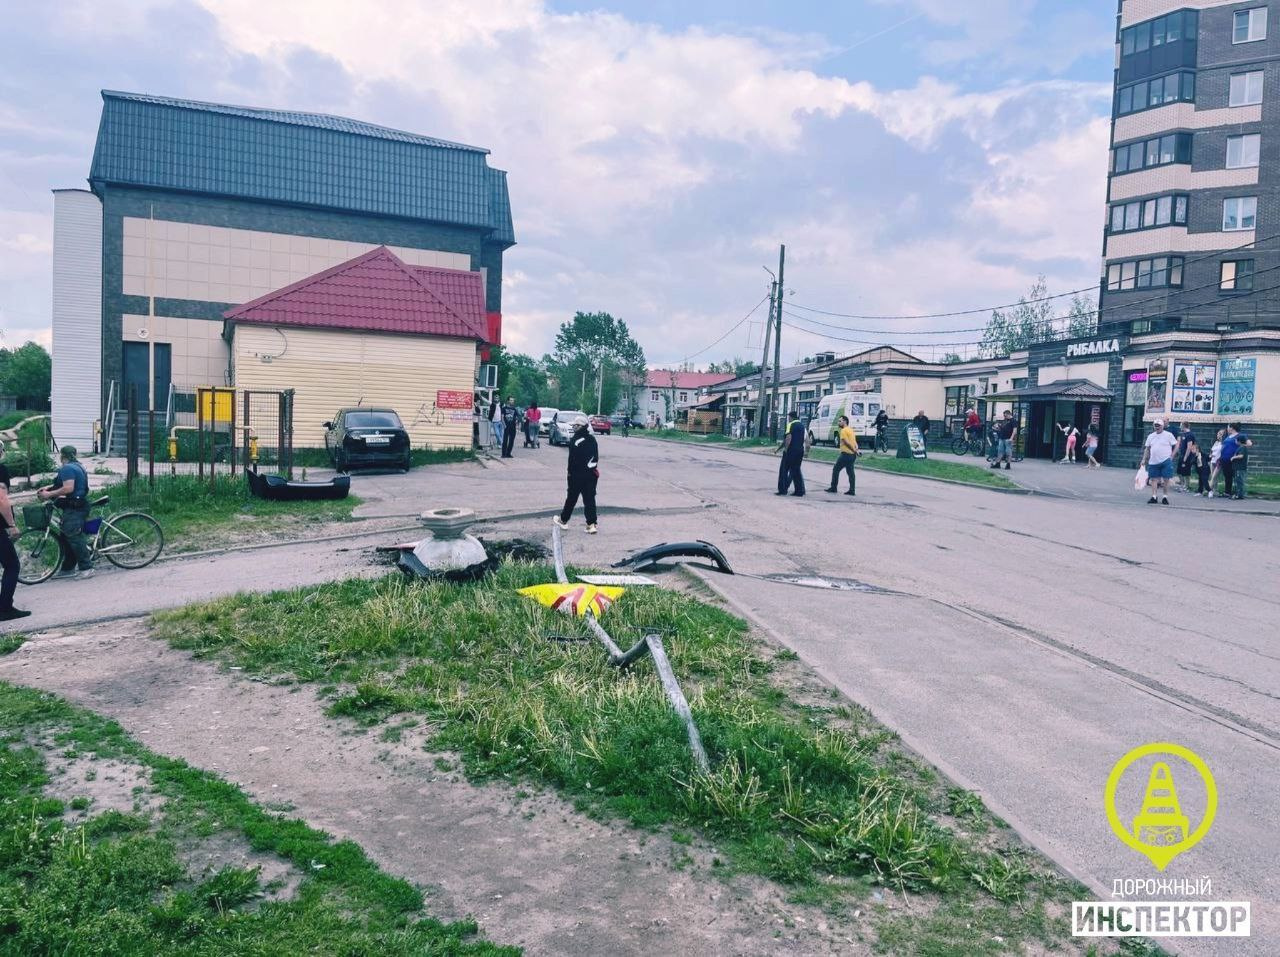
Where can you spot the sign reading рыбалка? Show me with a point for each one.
(1160, 800)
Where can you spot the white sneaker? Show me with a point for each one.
(559, 524)
(86, 573)
(592, 529)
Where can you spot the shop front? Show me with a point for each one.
(1046, 412)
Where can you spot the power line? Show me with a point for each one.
(971, 312)
(732, 330)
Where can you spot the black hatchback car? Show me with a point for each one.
(375, 438)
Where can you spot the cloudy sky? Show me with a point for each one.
(916, 156)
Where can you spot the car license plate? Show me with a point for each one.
(377, 440)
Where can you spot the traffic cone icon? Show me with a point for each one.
(1161, 822)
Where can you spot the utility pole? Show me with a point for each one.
(777, 338)
(600, 388)
(764, 362)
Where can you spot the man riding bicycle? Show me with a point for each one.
(70, 492)
(972, 425)
(882, 426)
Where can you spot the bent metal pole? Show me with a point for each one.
(622, 659)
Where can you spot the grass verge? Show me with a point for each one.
(928, 468)
(818, 798)
(117, 883)
(198, 514)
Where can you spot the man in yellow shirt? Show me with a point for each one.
(848, 455)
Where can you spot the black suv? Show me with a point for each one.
(369, 437)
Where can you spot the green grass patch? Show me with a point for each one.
(929, 468)
(11, 642)
(1262, 486)
(792, 795)
(31, 453)
(198, 513)
(118, 884)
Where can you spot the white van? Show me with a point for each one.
(861, 408)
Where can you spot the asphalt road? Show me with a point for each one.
(1021, 643)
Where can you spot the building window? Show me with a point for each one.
(1239, 212)
(684, 396)
(654, 396)
(1158, 273)
(1250, 25)
(1159, 151)
(1167, 29)
(1236, 276)
(1243, 150)
(1246, 89)
(1148, 213)
(1147, 95)
(1139, 326)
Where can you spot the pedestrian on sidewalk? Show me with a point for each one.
(532, 423)
(1006, 434)
(792, 449)
(1186, 439)
(1235, 460)
(70, 492)
(8, 554)
(1198, 459)
(584, 474)
(1073, 436)
(1215, 461)
(1091, 447)
(921, 422)
(510, 421)
(1157, 458)
(848, 442)
(495, 421)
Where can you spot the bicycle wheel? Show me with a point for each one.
(959, 446)
(40, 554)
(130, 540)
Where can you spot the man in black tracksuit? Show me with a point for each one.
(584, 456)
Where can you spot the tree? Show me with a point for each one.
(27, 373)
(735, 367)
(592, 351)
(951, 358)
(1082, 320)
(520, 376)
(1025, 324)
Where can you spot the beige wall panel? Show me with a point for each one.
(1181, 116)
(188, 254)
(1135, 11)
(329, 370)
(1173, 239)
(1167, 179)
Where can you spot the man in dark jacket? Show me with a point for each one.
(510, 417)
(584, 457)
(792, 449)
(8, 554)
(70, 492)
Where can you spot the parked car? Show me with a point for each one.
(544, 426)
(367, 437)
(562, 426)
(601, 425)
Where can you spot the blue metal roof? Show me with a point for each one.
(299, 158)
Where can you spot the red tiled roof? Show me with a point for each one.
(666, 379)
(377, 292)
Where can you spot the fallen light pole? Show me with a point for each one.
(621, 659)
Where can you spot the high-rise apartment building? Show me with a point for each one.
(1192, 236)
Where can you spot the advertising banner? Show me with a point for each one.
(1237, 380)
(1194, 384)
(1157, 380)
(1136, 389)
(454, 400)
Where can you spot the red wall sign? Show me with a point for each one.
(454, 400)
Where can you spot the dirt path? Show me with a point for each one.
(531, 870)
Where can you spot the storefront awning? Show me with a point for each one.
(1068, 390)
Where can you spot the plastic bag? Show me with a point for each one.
(1140, 479)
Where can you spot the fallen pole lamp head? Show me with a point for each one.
(580, 599)
(698, 549)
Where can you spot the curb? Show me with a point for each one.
(924, 478)
(1025, 833)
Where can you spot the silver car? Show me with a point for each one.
(561, 429)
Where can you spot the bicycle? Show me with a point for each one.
(882, 440)
(126, 539)
(968, 445)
